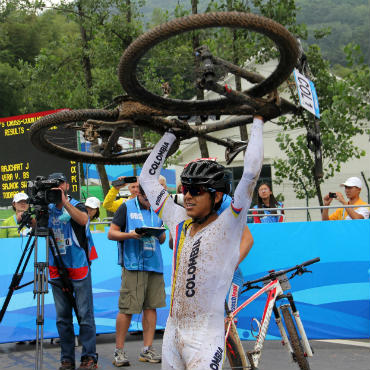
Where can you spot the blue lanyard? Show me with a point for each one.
(142, 217)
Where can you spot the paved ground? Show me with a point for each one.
(337, 355)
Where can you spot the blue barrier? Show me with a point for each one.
(334, 301)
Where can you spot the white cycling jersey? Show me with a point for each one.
(203, 264)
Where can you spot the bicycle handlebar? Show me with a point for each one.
(274, 274)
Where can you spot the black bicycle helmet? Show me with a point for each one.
(208, 173)
(211, 175)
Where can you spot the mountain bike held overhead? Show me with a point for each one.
(155, 99)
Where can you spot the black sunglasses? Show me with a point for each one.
(196, 190)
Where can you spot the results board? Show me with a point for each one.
(20, 161)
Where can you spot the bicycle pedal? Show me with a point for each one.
(231, 153)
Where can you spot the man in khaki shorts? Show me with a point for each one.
(142, 286)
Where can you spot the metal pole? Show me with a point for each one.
(307, 199)
(311, 207)
(40, 289)
(87, 180)
(134, 169)
(37, 288)
(367, 186)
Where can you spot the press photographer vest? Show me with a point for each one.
(76, 257)
(140, 254)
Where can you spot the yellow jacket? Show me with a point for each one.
(110, 203)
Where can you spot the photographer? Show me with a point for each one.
(69, 222)
(352, 188)
(110, 203)
(20, 205)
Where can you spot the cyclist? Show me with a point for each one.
(206, 250)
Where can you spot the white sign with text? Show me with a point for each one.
(307, 93)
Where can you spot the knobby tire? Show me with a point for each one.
(285, 42)
(59, 119)
(295, 342)
(234, 350)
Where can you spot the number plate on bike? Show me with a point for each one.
(284, 282)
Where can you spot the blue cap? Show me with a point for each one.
(58, 176)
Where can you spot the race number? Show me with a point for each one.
(307, 93)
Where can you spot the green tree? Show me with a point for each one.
(11, 91)
(20, 40)
(344, 106)
(346, 20)
(78, 68)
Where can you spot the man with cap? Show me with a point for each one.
(20, 205)
(69, 222)
(352, 188)
(142, 287)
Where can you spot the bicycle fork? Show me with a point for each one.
(298, 321)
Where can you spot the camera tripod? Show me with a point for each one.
(40, 281)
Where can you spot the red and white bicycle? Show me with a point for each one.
(293, 335)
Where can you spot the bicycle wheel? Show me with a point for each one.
(128, 65)
(298, 352)
(49, 134)
(234, 350)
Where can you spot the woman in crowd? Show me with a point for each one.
(92, 205)
(266, 199)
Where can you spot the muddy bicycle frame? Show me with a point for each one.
(145, 110)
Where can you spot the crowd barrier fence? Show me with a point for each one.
(334, 301)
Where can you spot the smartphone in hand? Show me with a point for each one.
(125, 180)
(130, 179)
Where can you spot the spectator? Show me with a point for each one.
(352, 188)
(142, 286)
(162, 180)
(265, 199)
(70, 224)
(111, 204)
(92, 205)
(20, 205)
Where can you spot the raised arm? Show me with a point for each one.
(159, 198)
(252, 167)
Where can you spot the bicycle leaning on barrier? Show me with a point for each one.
(282, 304)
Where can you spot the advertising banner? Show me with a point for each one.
(333, 300)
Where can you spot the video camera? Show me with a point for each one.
(41, 192)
